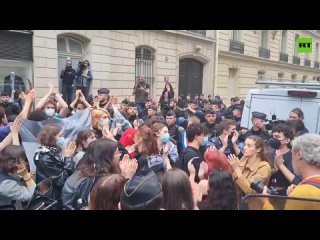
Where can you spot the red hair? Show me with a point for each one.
(127, 139)
(147, 140)
(215, 160)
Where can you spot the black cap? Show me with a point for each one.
(125, 101)
(103, 91)
(142, 187)
(238, 107)
(259, 115)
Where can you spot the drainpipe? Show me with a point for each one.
(216, 54)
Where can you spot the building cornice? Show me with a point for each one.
(243, 57)
(314, 33)
(191, 35)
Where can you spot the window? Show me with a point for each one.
(72, 48)
(261, 75)
(264, 38)
(236, 35)
(316, 57)
(201, 32)
(144, 65)
(232, 86)
(295, 45)
(284, 37)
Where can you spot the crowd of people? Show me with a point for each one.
(178, 153)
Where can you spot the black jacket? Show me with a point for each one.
(11, 108)
(75, 191)
(68, 76)
(213, 129)
(52, 166)
(176, 133)
(260, 133)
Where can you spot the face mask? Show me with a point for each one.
(166, 138)
(60, 142)
(104, 122)
(274, 143)
(205, 141)
(50, 112)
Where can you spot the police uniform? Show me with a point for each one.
(260, 133)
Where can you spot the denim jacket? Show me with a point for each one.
(82, 82)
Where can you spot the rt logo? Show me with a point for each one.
(304, 45)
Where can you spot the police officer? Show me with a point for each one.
(258, 128)
(237, 114)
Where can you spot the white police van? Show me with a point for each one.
(277, 103)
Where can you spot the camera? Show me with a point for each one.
(81, 65)
(258, 186)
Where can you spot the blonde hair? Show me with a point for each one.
(193, 119)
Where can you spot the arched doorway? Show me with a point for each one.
(69, 47)
(190, 76)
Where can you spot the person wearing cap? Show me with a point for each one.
(9, 107)
(258, 126)
(237, 114)
(141, 92)
(233, 101)
(103, 97)
(142, 192)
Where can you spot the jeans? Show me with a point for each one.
(140, 108)
(67, 93)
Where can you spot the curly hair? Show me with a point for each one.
(222, 191)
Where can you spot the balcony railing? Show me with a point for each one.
(236, 46)
(283, 57)
(307, 62)
(316, 64)
(201, 32)
(264, 52)
(296, 60)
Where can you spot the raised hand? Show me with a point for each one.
(191, 168)
(203, 170)
(234, 161)
(128, 166)
(131, 149)
(225, 141)
(17, 125)
(70, 149)
(235, 137)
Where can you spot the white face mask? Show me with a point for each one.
(50, 112)
(104, 122)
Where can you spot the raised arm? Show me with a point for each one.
(45, 98)
(64, 106)
(73, 104)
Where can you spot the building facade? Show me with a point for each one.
(246, 55)
(117, 58)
